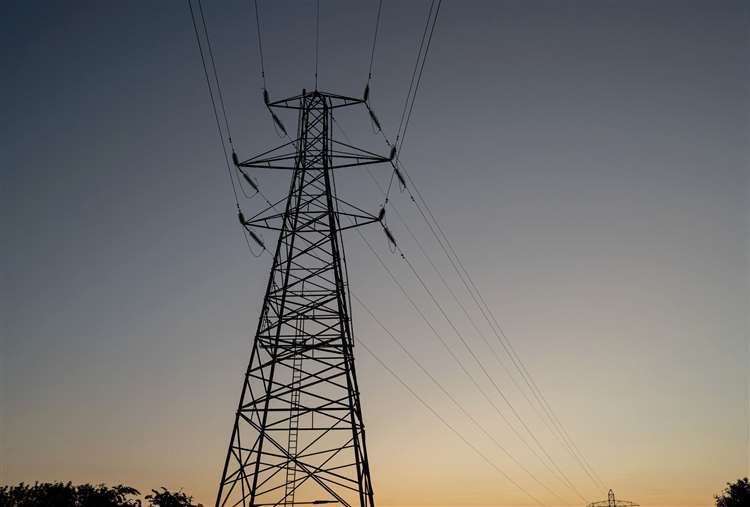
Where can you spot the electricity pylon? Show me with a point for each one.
(298, 435)
(611, 501)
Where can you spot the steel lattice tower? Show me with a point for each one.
(611, 501)
(298, 435)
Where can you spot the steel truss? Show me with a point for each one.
(298, 435)
(611, 501)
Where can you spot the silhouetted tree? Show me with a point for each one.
(736, 494)
(166, 498)
(66, 495)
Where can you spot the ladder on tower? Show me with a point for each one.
(294, 410)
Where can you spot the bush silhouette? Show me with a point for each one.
(736, 494)
(61, 494)
(68, 495)
(166, 498)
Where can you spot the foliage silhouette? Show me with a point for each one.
(166, 498)
(61, 494)
(736, 494)
(67, 495)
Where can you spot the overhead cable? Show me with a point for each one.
(445, 423)
(216, 115)
(213, 103)
(216, 74)
(559, 473)
(374, 41)
(445, 344)
(419, 78)
(486, 312)
(260, 45)
(559, 430)
(453, 399)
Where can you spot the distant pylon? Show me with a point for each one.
(612, 502)
(298, 434)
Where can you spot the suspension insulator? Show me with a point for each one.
(389, 236)
(250, 182)
(375, 119)
(235, 159)
(401, 179)
(265, 97)
(241, 217)
(257, 239)
(381, 214)
(393, 153)
(367, 92)
(278, 122)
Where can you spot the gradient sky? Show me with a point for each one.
(588, 160)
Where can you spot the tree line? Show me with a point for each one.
(61, 494)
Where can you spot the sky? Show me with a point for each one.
(588, 160)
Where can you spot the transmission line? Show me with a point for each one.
(560, 474)
(216, 74)
(461, 271)
(223, 108)
(452, 398)
(491, 379)
(460, 363)
(419, 78)
(215, 109)
(409, 99)
(213, 103)
(566, 481)
(416, 68)
(481, 303)
(445, 423)
(260, 45)
(559, 430)
(374, 40)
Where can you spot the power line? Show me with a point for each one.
(374, 39)
(224, 111)
(451, 397)
(416, 67)
(565, 441)
(457, 360)
(215, 111)
(260, 45)
(419, 78)
(213, 103)
(494, 325)
(560, 474)
(559, 430)
(416, 78)
(216, 74)
(545, 404)
(489, 377)
(446, 423)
